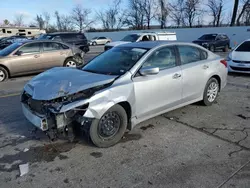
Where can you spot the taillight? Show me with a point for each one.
(224, 62)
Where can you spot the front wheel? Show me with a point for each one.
(109, 130)
(211, 92)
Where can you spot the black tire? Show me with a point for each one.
(94, 43)
(3, 74)
(94, 131)
(67, 62)
(226, 48)
(206, 100)
(212, 48)
(107, 42)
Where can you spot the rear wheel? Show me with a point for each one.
(3, 74)
(211, 92)
(70, 62)
(212, 48)
(109, 130)
(226, 48)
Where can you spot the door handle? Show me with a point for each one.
(36, 56)
(176, 76)
(205, 67)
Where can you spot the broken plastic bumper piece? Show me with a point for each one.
(40, 121)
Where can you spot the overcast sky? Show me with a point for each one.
(30, 8)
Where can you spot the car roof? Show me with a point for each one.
(35, 41)
(152, 44)
(62, 33)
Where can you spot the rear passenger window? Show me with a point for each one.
(163, 58)
(190, 54)
(82, 37)
(51, 46)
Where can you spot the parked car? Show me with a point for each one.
(123, 87)
(214, 42)
(77, 39)
(6, 41)
(36, 56)
(239, 58)
(99, 40)
(137, 37)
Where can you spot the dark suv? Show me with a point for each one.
(77, 39)
(214, 42)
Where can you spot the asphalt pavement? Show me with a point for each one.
(194, 147)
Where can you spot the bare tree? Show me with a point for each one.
(58, 21)
(66, 23)
(6, 22)
(191, 11)
(113, 17)
(18, 21)
(80, 17)
(177, 12)
(163, 13)
(46, 19)
(40, 22)
(135, 14)
(235, 10)
(150, 10)
(245, 10)
(215, 9)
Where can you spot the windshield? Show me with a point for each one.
(131, 38)
(208, 37)
(8, 50)
(116, 61)
(244, 47)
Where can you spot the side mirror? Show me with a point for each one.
(19, 53)
(149, 71)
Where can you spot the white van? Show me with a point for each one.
(137, 37)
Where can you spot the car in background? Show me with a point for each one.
(77, 39)
(214, 42)
(122, 87)
(239, 59)
(36, 56)
(99, 41)
(6, 41)
(144, 36)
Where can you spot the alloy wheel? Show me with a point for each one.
(2, 75)
(212, 91)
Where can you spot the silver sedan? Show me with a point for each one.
(123, 87)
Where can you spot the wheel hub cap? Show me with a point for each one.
(212, 91)
(71, 64)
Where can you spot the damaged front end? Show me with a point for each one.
(55, 116)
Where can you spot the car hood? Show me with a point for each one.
(116, 43)
(62, 81)
(240, 56)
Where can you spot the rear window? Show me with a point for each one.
(244, 47)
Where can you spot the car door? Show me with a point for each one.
(53, 55)
(101, 40)
(219, 42)
(26, 59)
(195, 71)
(156, 93)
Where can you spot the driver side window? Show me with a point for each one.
(163, 58)
(31, 48)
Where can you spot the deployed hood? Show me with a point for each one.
(63, 81)
(116, 43)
